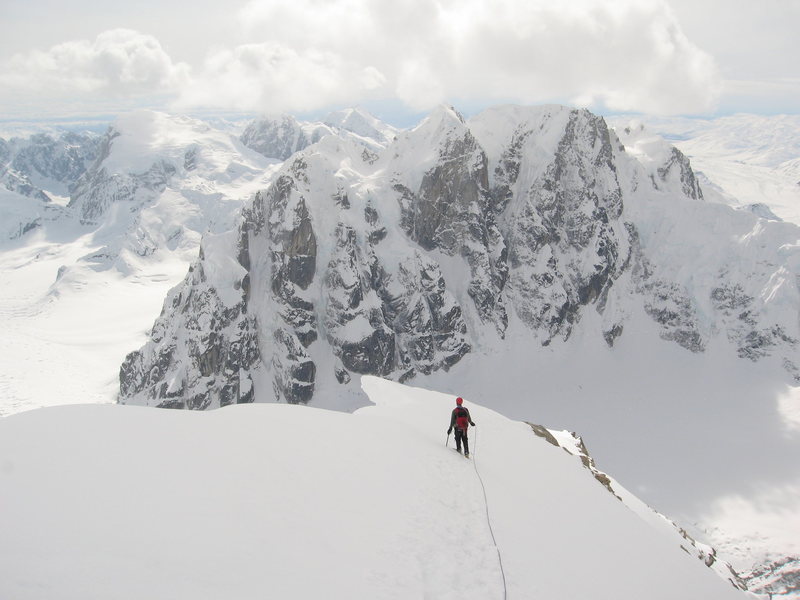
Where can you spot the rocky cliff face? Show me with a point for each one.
(399, 261)
(778, 579)
(566, 238)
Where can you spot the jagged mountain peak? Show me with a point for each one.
(361, 122)
(403, 265)
(542, 126)
(440, 122)
(280, 137)
(441, 136)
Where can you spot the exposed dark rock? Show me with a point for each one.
(679, 163)
(776, 579)
(612, 334)
(454, 212)
(565, 241)
(672, 308)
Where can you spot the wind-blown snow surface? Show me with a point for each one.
(286, 501)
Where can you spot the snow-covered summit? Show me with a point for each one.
(665, 164)
(555, 221)
(282, 136)
(382, 509)
(145, 151)
(359, 121)
(160, 182)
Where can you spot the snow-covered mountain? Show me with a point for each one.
(161, 182)
(96, 267)
(46, 165)
(519, 222)
(471, 254)
(529, 259)
(101, 260)
(384, 510)
(42, 168)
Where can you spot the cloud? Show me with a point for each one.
(624, 55)
(740, 524)
(118, 63)
(627, 55)
(273, 77)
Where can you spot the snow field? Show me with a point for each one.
(60, 344)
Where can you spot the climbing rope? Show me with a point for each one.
(488, 519)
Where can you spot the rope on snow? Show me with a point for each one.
(488, 519)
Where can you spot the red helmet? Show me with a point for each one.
(459, 401)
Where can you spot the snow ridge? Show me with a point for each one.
(395, 512)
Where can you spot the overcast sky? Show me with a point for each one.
(687, 57)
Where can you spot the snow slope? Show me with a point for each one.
(288, 501)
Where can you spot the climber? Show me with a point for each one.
(461, 420)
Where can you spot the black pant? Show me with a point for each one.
(461, 435)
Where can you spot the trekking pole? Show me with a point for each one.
(447, 442)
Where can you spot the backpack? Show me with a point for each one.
(462, 418)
